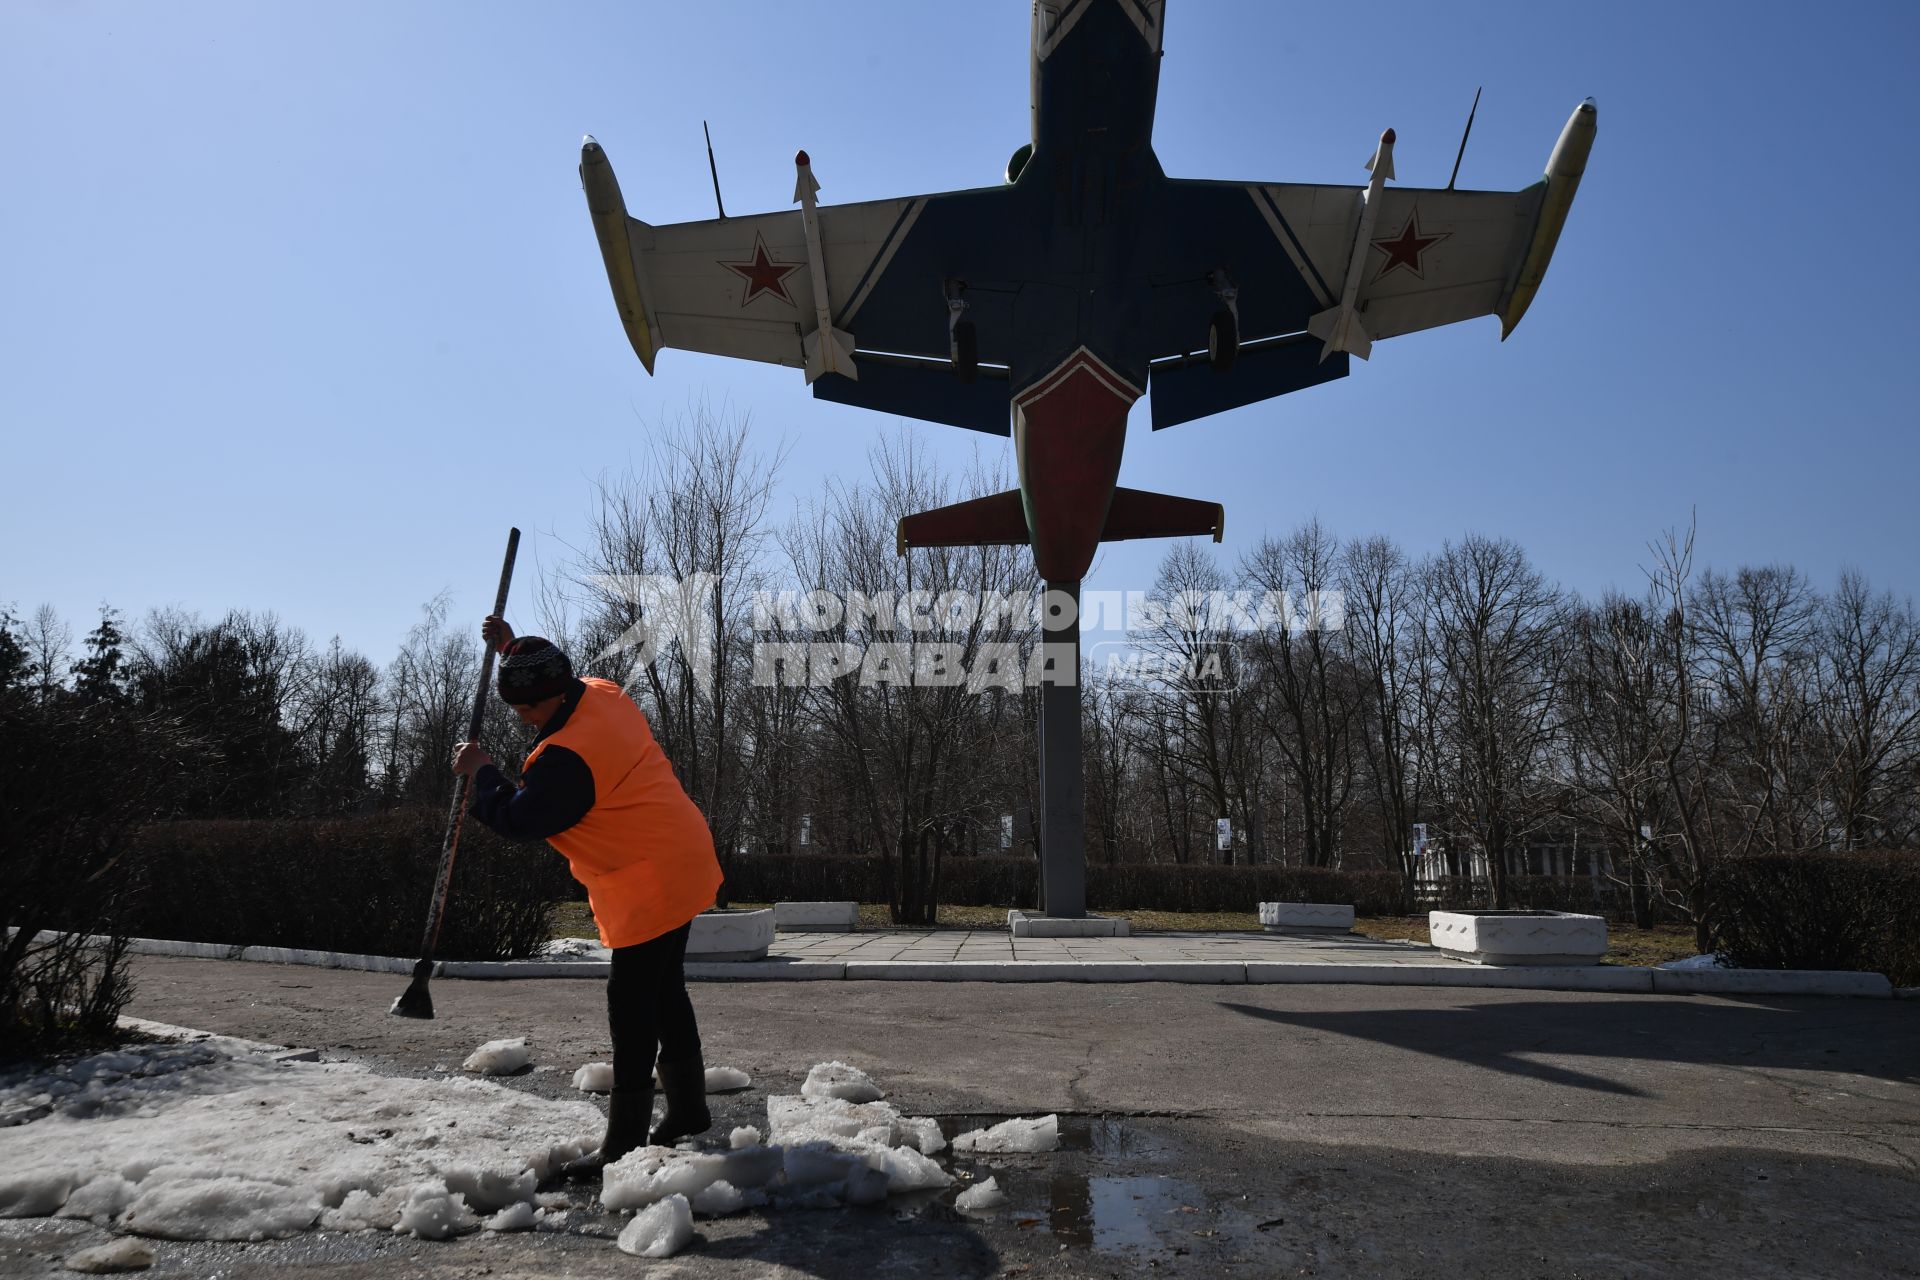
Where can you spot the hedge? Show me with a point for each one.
(1013, 882)
(355, 885)
(1820, 911)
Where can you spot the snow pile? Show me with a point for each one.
(117, 1255)
(727, 1079)
(1696, 962)
(594, 1077)
(822, 1152)
(499, 1057)
(661, 1231)
(980, 1197)
(794, 1119)
(886, 1141)
(197, 1143)
(1016, 1134)
(575, 949)
(434, 1213)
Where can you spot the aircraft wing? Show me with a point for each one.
(746, 287)
(1321, 272)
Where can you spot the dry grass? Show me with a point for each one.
(1625, 944)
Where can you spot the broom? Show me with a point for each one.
(416, 1001)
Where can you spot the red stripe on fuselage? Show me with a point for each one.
(1069, 430)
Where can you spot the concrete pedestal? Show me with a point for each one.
(1519, 937)
(816, 917)
(1306, 917)
(1025, 924)
(730, 935)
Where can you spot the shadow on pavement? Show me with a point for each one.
(1861, 1037)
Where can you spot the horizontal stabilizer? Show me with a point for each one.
(1135, 513)
(998, 520)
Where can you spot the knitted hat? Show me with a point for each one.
(532, 670)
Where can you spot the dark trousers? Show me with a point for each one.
(648, 1008)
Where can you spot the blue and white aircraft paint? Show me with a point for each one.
(1045, 307)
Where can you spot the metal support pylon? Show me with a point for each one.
(1063, 846)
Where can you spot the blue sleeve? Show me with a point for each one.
(554, 793)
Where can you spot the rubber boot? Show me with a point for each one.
(685, 1085)
(629, 1112)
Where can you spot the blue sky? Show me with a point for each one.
(301, 308)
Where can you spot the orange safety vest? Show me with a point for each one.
(643, 851)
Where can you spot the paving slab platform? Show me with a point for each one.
(993, 955)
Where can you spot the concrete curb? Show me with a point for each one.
(1550, 977)
(1771, 982)
(772, 969)
(1204, 971)
(191, 1035)
(1605, 978)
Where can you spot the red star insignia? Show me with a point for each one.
(763, 274)
(1404, 250)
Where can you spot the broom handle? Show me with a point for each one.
(437, 910)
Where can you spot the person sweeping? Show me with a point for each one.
(598, 788)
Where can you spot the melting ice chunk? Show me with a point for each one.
(499, 1057)
(981, 1197)
(724, 1079)
(594, 1077)
(1017, 1134)
(838, 1080)
(515, 1217)
(660, 1230)
(124, 1254)
(434, 1213)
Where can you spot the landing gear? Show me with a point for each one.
(963, 340)
(1223, 330)
(965, 349)
(1223, 340)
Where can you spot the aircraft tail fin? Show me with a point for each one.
(997, 520)
(1135, 513)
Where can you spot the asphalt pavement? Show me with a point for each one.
(1209, 1131)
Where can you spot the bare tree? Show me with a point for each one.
(1309, 697)
(1202, 717)
(49, 645)
(926, 754)
(1496, 629)
(430, 687)
(1753, 635)
(1868, 700)
(1378, 596)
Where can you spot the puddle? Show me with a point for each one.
(1116, 1213)
(1097, 1191)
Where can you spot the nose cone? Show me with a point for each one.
(590, 151)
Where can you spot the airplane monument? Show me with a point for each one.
(1045, 307)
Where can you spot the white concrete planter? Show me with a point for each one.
(1024, 925)
(818, 917)
(1519, 937)
(1305, 917)
(730, 935)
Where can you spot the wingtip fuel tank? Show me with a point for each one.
(611, 229)
(1564, 169)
